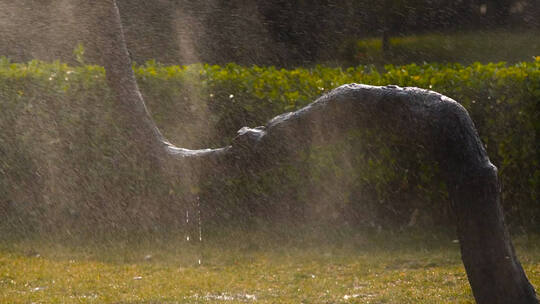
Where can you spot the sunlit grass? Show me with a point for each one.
(463, 47)
(242, 269)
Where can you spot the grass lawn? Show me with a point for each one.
(463, 47)
(243, 268)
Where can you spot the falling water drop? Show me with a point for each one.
(200, 228)
(200, 221)
(187, 225)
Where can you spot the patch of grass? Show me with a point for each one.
(242, 268)
(462, 47)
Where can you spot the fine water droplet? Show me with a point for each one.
(348, 297)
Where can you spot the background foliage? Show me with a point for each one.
(66, 164)
(287, 32)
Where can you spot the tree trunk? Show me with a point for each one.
(427, 118)
(444, 127)
(121, 79)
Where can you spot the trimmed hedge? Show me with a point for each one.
(65, 163)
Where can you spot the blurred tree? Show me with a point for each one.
(275, 32)
(150, 30)
(300, 25)
(499, 11)
(232, 30)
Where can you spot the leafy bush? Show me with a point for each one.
(66, 164)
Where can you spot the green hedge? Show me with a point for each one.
(65, 163)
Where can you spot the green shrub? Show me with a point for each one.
(65, 162)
